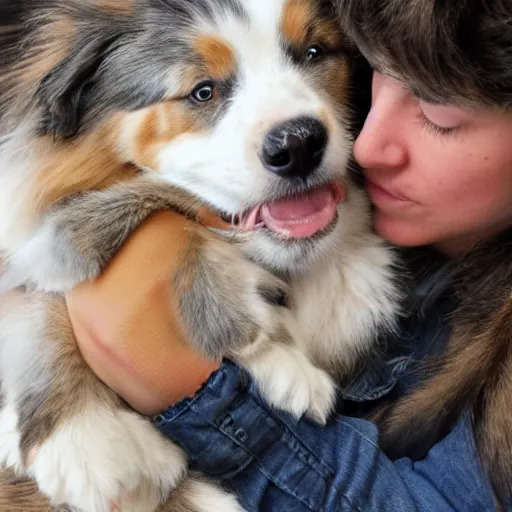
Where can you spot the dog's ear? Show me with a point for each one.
(65, 92)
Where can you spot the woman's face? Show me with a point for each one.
(436, 174)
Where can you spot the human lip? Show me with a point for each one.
(380, 194)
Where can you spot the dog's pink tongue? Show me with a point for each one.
(302, 216)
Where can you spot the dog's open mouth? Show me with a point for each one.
(300, 216)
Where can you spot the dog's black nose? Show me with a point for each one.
(294, 149)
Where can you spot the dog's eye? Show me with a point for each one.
(313, 53)
(204, 92)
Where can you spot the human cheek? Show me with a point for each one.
(448, 166)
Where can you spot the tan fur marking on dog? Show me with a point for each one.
(295, 22)
(54, 44)
(301, 25)
(326, 33)
(21, 495)
(150, 128)
(89, 163)
(217, 55)
(335, 80)
(146, 132)
(116, 6)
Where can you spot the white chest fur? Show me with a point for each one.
(16, 175)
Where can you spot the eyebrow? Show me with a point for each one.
(423, 97)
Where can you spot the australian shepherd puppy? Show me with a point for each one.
(113, 109)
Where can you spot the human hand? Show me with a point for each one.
(127, 321)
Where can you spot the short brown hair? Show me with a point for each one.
(456, 51)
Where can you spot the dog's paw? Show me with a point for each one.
(104, 460)
(199, 495)
(287, 380)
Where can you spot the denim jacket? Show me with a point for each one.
(273, 462)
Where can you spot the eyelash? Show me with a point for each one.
(434, 128)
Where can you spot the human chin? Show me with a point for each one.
(400, 232)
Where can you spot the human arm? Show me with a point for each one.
(273, 462)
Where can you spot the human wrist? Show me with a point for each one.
(149, 386)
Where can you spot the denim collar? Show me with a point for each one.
(377, 382)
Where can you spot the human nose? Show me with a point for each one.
(381, 143)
